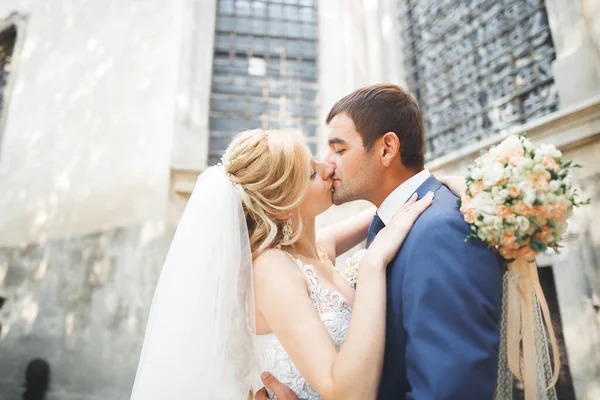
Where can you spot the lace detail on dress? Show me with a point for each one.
(335, 313)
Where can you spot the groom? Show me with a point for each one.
(443, 294)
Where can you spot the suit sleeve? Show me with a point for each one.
(451, 305)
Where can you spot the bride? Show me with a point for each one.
(249, 284)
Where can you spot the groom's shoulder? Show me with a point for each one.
(443, 210)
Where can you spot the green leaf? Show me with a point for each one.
(537, 202)
(537, 245)
(459, 202)
(532, 219)
(520, 240)
(480, 217)
(551, 224)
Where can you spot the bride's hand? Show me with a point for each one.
(458, 184)
(390, 238)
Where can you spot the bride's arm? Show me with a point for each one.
(340, 237)
(457, 184)
(282, 299)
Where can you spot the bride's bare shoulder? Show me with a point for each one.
(274, 265)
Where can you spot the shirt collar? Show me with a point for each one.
(401, 195)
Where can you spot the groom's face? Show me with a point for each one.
(355, 168)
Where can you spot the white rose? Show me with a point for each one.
(484, 203)
(503, 193)
(523, 223)
(551, 197)
(526, 164)
(538, 157)
(497, 223)
(476, 174)
(539, 168)
(540, 195)
(525, 186)
(493, 174)
(529, 198)
(550, 150)
(511, 143)
(494, 151)
(554, 186)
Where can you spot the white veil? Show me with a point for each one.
(199, 337)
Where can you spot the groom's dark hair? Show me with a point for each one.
(378, 109)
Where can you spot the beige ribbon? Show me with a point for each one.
(522, 298)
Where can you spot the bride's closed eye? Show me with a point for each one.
(314, 172)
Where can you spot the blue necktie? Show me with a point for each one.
(376, 225)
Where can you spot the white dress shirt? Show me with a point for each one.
(401, 195)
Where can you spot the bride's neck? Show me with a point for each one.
(307, 244)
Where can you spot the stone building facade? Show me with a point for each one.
(109, 110)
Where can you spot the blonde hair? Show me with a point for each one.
(272, 171)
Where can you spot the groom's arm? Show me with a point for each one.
(451, 311)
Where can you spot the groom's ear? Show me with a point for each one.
(389, 148)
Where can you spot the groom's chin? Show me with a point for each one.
(337, 200)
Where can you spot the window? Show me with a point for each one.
(477, 67)
(8, 39)
(264, 69)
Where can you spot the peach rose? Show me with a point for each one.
(508, 241)
(467, 210)
(523, 209)
(540, 181)
(549, 163)
(476, 187)
(514, 192)
(504, 211)
(546, 234)
(526, 253)
(559, 211)
(540, 212)
(510, 155)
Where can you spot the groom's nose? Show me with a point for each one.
(330, 172)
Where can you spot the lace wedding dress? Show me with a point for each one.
(335, 313)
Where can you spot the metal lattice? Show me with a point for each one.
(477, 67)
(264, 69)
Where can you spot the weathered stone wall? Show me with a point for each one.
(88, 128)
(81, 304)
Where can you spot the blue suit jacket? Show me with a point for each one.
(443, 309)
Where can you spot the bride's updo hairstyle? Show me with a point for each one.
(271, 170)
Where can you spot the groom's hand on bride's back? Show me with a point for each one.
(281, 391)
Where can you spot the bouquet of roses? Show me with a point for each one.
(517, 201)
(519, 197)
